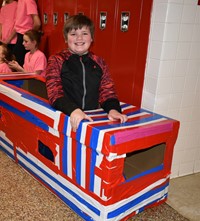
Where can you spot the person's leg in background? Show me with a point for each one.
(19, 51)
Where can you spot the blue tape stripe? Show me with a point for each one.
(64, 156)
(131, 123)
(37, 100)
(75, 208)
(71, 192)
(6, 143)
(126, 105)
(153, 113)
(112, 140)
(78, 132)
(92, 168)
(78, 162)
(97, 129)
(94, 138)
(26, 115)
(29, 96)
(7, 152)
(65, 125)
(136, 201)
(11, 155)
(65, 147)
(146, 172)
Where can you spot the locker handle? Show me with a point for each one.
(45, 18)
(125, 17)
(55, 18)
(66, 16)
(103, 19)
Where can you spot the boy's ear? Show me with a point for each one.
(65, 39)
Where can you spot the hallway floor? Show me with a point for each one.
(22, 198)
(184, 196)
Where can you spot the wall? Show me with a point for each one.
(172, 76)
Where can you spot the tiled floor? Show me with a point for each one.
(184, 196)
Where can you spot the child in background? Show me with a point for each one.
(5, 57)
(35, 60)
(27, 18)
(77, 80)
(7, 21)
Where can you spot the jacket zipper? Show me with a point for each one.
(84, 86)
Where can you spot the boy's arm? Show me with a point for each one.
(57, 98)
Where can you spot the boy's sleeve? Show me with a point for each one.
(110, 104)
(56, 95)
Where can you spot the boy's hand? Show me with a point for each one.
(115, 115)
(76, 117)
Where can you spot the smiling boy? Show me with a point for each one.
(78, 80)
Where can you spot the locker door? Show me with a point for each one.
(104, 29)
(86, 7)
(45, 8)
(61, 9)
(129, 48)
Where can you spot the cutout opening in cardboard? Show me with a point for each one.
(33, 86)
(137, 162)
(45, 151)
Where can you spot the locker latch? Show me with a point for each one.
(55, 18)
(125, 17)
(66, 16)
(45, 18)
(103, 18)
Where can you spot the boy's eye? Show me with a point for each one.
(85, 33)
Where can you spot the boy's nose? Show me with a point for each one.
(79, 36)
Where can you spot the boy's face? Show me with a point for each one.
(79, 40)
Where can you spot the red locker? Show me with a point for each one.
(126, 50)
(86, 7)
(46, 13)
(61, 10)
(104, 29)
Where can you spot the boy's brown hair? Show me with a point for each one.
(77, 22)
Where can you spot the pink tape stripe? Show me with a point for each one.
(128, 135)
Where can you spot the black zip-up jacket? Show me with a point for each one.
(83, 82)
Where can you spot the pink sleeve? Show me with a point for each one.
(0, 16)
(31, 7)
(4, 68)
(40, 62)
(26, 61)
